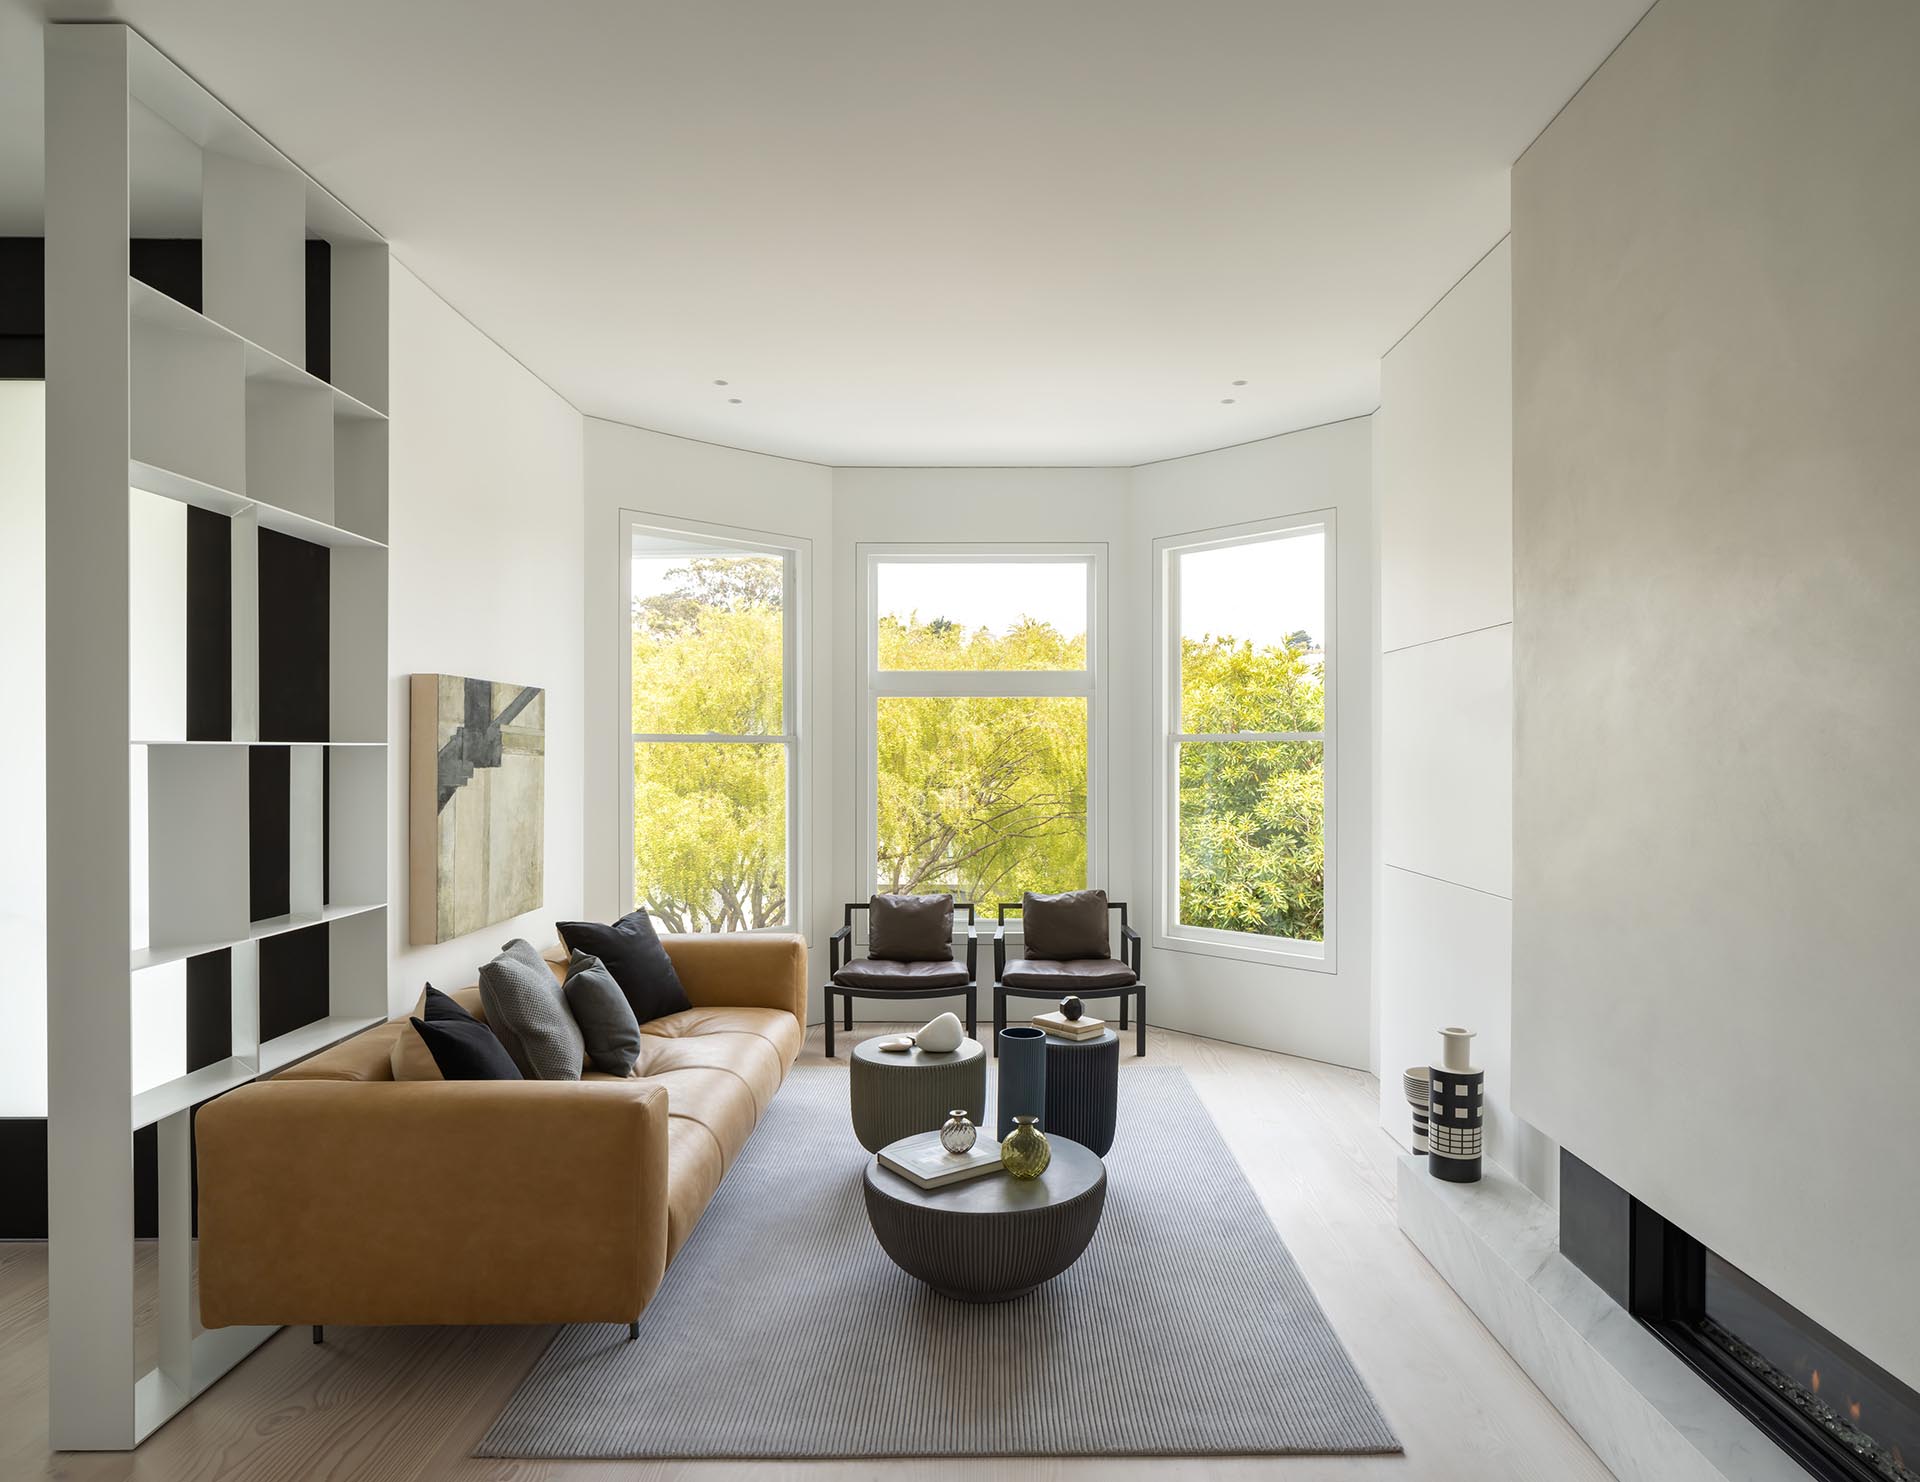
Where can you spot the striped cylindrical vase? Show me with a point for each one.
(1456, 1107)
(1023, 1076)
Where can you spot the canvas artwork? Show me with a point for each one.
(478, 815)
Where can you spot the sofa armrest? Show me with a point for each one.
(432, 1202)
(757, 970)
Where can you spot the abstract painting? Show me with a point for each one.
(478, 810)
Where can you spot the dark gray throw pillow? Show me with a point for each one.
(1062, 928)
(526, 1008)
(605, 1017)
(910, 928)
(639, 964)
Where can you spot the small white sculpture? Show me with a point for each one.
(940, 1036)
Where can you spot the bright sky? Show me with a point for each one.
(987, 594)
(1263, 591)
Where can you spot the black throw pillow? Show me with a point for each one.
(463, 1047)
(639, 964)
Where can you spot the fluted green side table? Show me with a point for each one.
(894, 1096)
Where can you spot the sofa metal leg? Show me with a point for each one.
(633, 1330)
(319, 1333)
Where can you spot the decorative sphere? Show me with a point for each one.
(958, 1134)
(1071, 1008)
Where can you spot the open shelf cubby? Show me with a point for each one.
(217, 426)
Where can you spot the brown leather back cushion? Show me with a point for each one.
(1067, 926)
(910, 928)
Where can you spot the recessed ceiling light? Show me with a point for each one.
(1226, 401)
(719, 383)
(733, 401)
(1239, 383)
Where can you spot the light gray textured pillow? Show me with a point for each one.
(526, 1008)
(605, 1017)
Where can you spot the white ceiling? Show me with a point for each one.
(905, 231)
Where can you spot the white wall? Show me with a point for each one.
(628, 468)
(486, 534)
(23, 748)
(1445, 480)
(1326, 1016)
(1717, 623)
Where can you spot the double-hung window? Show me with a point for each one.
(983, 719)
(716, 766)
(1245, 783)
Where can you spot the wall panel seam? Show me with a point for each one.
(1443, 880)
(1447, 637)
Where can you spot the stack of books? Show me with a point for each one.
(1057, 1023)
(921, 1160)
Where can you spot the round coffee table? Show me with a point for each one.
(1083, 1089)
(991, 1238)
(894, 1096)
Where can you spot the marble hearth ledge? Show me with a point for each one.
(1644, 1413)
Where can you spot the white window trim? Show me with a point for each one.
(796, 707)
(878, 683)
(1168, 934)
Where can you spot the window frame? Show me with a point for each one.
(796, 553)
(878, 684)
(1169, 933)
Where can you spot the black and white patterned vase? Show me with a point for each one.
(1456, 1110)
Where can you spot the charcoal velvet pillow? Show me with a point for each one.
(910, 928)
(463, 1049)
(639, 964)
(605, 1017)
(1063, 928)
(528, 1012)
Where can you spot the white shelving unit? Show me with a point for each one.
(155, 410)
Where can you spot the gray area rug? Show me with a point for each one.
(783, 1331)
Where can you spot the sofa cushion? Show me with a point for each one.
(910, 928)
(755, 1062)
(1065, 926)
(776, 1026)
(365, 1057)
(639, 964)
(866, 972)
(694, 1167)
(1069, 977)
(605, 1017)
(528, 1012)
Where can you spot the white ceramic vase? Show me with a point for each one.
(1456, 1049)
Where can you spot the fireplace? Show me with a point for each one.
(1839, 1414)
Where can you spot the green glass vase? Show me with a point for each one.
(1025, 1153)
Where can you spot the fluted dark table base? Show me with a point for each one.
(992, 1238)
(1083, 1090)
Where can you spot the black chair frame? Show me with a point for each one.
(1129, 954)
(840, 950)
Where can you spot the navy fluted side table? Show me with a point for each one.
(1083, 1090)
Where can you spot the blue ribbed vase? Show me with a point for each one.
(1023, 1076)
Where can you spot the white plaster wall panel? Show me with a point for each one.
(1715, 539)
(1446, 759)
(1446, 464)
(485, 564)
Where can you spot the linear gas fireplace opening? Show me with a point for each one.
(1833, 1409)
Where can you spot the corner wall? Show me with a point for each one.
(485, 534)
(1445, 478)
(1717, 617)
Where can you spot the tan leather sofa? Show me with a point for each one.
(335, 1194)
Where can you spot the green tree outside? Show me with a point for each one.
(984, 796)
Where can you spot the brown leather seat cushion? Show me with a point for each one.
(776, 1026)
(867, 973)
(1079, 972)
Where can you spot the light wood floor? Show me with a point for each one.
(393, 1404)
